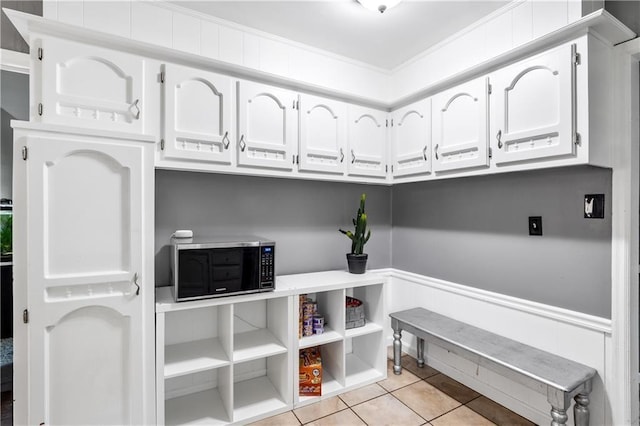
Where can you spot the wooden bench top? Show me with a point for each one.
(477, 344)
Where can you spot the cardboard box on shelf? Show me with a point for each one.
(310, 372)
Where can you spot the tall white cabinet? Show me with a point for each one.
(84, 232)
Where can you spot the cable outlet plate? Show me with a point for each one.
(535, 225)
(594, 206)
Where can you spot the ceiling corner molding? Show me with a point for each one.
(14, 61)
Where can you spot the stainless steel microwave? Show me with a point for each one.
(213, 267)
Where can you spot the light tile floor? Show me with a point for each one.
(418, 396)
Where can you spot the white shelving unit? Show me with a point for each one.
(235, 359)
(350, 357)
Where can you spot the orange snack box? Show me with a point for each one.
(310, 372)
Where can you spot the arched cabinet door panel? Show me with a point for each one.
(460, 127)
(89, 86)
(411, 140)
(87, 203)
(532, 113)
(197, 115)
(323, 134)
(367, 142)
(267, 126)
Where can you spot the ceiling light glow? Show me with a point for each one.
(378, 5)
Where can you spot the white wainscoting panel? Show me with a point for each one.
(186, 33)
(151, 24)
(548, 16)
(50, 9)
(209, 39)
(251, 51)
(522, 23)
(231, 47)
(71, 12)
(569, 334)
(109, 17)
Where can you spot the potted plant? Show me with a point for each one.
(357, 260)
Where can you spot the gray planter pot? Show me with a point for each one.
(357, 263)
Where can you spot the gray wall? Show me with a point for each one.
(9, 37)
(14, 100)
(627, 11)
(301, 216)
(474, 231)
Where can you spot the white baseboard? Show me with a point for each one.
(569, 334)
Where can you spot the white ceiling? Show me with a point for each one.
(346, 28)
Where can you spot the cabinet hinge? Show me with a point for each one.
(25, 153)
(40, 51)
(576, 138)
(490, 153)
(297, 104)
(386, 168)
(489, 88)
(162, 77)
(25, 316)
(392, 168)
(161, 144)
(40, 108)
(576, 58)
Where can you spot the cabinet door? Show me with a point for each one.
(367, 142)
(411, 130)
(532, 115)
(90, 86)
(267, 126)
(197, 115)
(460, 127)
(322, 134)
(89, 291)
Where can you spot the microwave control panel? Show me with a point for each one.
(267, 276)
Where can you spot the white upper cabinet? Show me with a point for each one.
(267, 126)
(367, 142)
(460, 126)
(87, 204)
(197, 115)
(411, 139)
(532, 116)
(323, 134)
(89, 86)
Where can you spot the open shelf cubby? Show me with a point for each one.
(261, 385)
(190, 349)
(260, 328)
(203, 398)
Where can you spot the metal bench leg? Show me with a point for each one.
(581, 409)
(558, 416)
(420, 352)
(397, 347)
